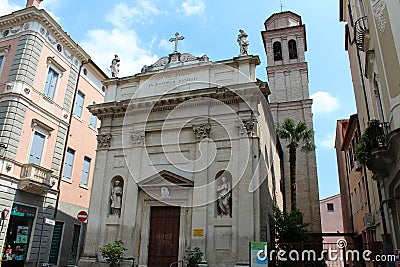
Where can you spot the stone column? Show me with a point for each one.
(200, 196)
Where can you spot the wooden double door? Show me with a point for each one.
(164, 236)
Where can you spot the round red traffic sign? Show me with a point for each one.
(82, 216)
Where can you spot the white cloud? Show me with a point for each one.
(324, 102)
(123, 15)
(193, 7)
(167, 45)
(102, 45)
(50, 6)
(328, 141)
(7, 8)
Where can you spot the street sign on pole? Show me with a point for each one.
(82, 216)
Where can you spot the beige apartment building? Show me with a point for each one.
(47, 138)
(372, 29)
(359, 195)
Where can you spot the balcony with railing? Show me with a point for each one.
(361, 30)
(35, 179)
(380, 156)
(378, 133)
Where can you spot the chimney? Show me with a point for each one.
(34, 3)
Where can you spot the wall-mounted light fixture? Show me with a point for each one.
(3, 216)
(3, 148)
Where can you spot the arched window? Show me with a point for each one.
(277, 51)
(292, 49)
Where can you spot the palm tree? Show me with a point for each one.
(297, 136)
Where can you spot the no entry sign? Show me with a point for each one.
(82, 216)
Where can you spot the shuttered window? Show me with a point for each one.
(51, 82)
(80, 99)
(35, 156)
(93, 120)
(85, 171)
(68, 164)
(1, 61)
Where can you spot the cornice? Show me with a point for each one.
(20, 17)
(233, 62)
(288, 67)
(291, 103)
(169, 102)
(29, 102)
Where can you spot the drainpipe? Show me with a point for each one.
(67, 136)
(351, 204)
(381, 209)
(363, 84)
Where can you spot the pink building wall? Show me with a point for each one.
(34, 43)
(332, 222)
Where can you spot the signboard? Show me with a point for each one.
(23, 211)
(258, 254)
(55, 243)
(22, 235)
(198, 232)
(82, 216)
(49, 221)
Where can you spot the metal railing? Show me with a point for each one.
(360, 30)
(177, 264)
(378, 133)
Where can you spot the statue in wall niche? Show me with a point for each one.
(243, 43)
(115, 66)
(224, 197)
(116, 198)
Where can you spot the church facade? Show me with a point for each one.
(187, 157)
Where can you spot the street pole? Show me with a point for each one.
(79, 245)
(40, 245)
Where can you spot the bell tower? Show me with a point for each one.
(285, 46)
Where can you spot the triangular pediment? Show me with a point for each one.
(165, 178)
(175, 59)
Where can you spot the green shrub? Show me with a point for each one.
(193, 257)
(113, 252)
(363, 150)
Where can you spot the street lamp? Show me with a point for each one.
(3, 217)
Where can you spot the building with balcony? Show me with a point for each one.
(362, 216)
(372, 30)
(47, 137)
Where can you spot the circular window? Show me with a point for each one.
(5, 33)
(85, 71)
(103, 88)
(59, 48)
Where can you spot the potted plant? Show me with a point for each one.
(193, 257)
(113, 252)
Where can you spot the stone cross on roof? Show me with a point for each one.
(176, 40)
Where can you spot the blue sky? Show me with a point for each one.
(138, 30)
